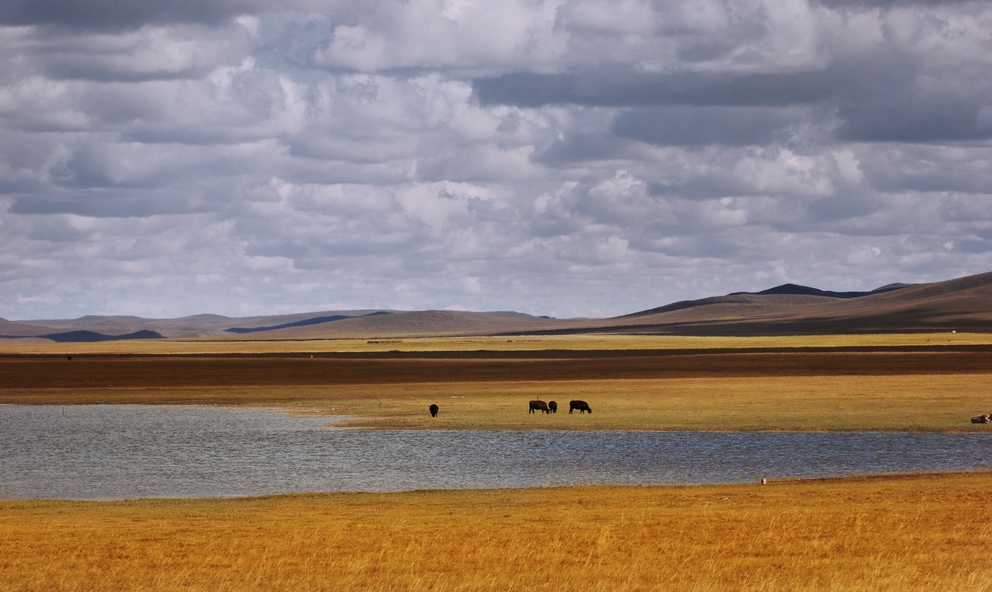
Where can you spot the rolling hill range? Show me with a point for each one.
(963, 304)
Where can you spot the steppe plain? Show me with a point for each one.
(912, 532)
(895, 533)
(926, 382)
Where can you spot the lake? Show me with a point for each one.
(105, 452)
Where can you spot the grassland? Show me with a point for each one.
(819, 403)
(881, 382)
(899, 534)
(515, 343)
(893, 533)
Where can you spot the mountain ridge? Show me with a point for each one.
(961, 304)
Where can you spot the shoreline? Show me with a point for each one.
(761, 482)
(906, 533)
(373, 423)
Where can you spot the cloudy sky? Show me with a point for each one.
(561, 157)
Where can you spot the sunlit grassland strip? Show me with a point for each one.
(939, 403)
(512, 343)
(898, 533)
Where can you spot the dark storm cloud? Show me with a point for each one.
(102, 204)
(844, 205)
(712, 186)
(579, 147)
(109, 15)
(695, 126)
(888, 3)
(928, 169)
(718, 247)
(938, 120)
(608, 87)
(882, 96)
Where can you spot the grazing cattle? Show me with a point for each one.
(539, 405)
(582, 406)
(553, 406)
(433, 409)
(982, 418)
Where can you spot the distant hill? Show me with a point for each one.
(191, 327)
(19, 329)
(754, 298)
(963, 304)
(807, 291)
(315, 325)
(302, 323)
(92, 336)
(417, 324)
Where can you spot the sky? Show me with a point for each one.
(164, 158)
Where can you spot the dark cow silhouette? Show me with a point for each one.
(982, 418)
(553, 406)
(433, 409)
(539, 405)
(582, 406)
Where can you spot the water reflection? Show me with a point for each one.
(129, 451)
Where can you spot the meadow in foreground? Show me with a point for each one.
(890, 533)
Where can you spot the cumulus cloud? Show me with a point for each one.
(445, 34)
(564, 157)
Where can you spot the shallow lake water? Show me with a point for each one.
(134, 451)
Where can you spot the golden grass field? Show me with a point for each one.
(524, 343)
(836, 403)
(897, 533)
(865, 382)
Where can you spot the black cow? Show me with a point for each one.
(982, 418)
(582, 406)
(539, 405)
(433, 409)
(553, 406)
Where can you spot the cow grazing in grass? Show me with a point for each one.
(539, 405)
(553, 406)
(433, 409)
(982, 418)
(582, 406)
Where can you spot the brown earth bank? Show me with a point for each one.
(100, 371)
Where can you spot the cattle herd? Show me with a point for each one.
(582, 406)
(539, 405)
(552, 407)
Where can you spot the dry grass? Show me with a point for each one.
(813, 403)
(737, 389)
(913, 533)
(820, 403)
(521, 343)
(907, 533)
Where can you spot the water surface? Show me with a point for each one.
(132, 451)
